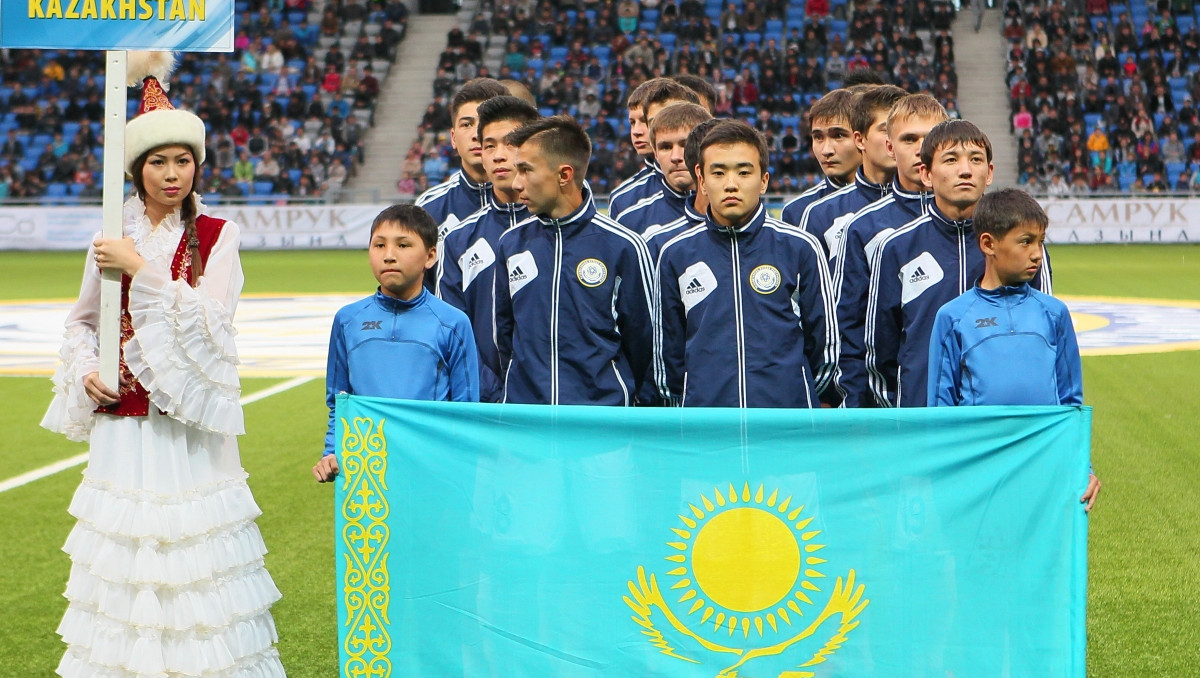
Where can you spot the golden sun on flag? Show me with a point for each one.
(745, 562)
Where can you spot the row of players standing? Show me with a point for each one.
(832, 304)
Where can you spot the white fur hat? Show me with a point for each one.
(158, 123)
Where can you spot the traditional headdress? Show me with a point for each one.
(158, 123)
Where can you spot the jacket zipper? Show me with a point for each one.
(737, 310)
(554, 297)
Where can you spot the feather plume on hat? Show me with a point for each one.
(157, 122)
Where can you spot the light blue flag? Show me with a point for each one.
(527, 541)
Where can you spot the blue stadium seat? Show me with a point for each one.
(774, 27)
(1174, 169)
(56, 190)
(668, 41)
(75, 188)
(1092, 120)
(558, 54)
(648, 26)
(1158, 120)
(263, 187)
(650, 15)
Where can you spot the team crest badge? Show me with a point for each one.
(591, 272)
(765, 279)
(743, 590)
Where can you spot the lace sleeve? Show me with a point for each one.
(70, 412)
(182, 351)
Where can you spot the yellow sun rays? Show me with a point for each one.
(745, 561)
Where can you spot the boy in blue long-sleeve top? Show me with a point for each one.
(980, 337)
(925, 263)
(401, 342)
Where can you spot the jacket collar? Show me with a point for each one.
(998, 296)
(506, 208)
(870, 189)
(465, 182)
(748, 228)
(395, 305)
(689, 210)
(582, 214)
(667, 190)
(907, 199)
(947, 224)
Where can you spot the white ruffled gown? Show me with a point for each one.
(167, 577)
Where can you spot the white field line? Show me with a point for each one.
(64, 464)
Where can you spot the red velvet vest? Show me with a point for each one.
(135, 402)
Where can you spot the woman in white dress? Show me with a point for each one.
(167, 575)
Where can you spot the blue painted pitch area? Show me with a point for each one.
(287, 336)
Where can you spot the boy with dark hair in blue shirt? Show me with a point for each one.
(979, 337)
(402, 342)
(927, 262)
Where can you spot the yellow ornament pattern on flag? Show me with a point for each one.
(743, 570)
(366, 584)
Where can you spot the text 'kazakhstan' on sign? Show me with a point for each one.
(172, 10)
(152, 25)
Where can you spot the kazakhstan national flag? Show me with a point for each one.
(525, 541)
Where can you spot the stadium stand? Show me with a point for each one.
(1103, 100)
(296, 97)
(768, 59)
(305, 79)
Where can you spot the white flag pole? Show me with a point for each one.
(115, 98)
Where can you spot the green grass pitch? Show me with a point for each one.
(1145, 536)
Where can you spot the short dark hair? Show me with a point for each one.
(730, 131)
(678, 116)
(559, 137)
(953, 133)
(409, 218)
(868, 104)
(861, 76)
(691, 147)
(498, 109)
(658, 90)
(836, 105)
(669, 92)
(475, 91)
(704, 89)
(999, 212)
